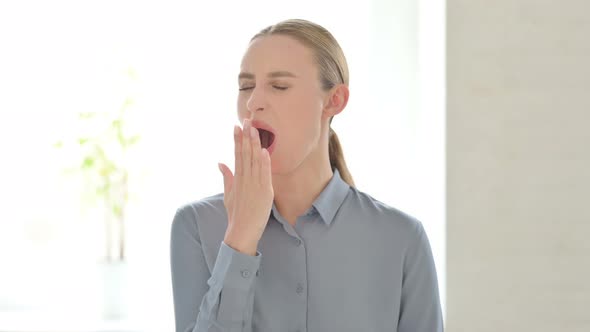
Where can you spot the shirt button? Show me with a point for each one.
(299, 288)
(245, 273)
(298, 242)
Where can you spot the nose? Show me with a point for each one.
(257, 101)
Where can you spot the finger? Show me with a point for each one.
(227, 178)
(255, 139)
(265, 168)
(246, 150)
(238, 149)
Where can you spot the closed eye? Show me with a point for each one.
(282, 88)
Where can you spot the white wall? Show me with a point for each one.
(518, 165)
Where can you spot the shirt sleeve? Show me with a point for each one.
(220, 300)
(420, 309)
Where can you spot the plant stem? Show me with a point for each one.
(108, 231)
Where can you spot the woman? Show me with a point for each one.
(291, 244)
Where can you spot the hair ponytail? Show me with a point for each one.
(337, 158)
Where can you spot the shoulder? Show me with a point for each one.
(200, 215)
(381, 215)
(206, 205)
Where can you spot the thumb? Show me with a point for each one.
(227, 177)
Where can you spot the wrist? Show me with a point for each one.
(239, 243)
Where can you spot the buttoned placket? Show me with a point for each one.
(300, 288)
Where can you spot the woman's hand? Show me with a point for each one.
(248, 195)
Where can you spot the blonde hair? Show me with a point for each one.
(333, 70)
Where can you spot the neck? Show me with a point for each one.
(295, 192)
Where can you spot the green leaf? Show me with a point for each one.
(86, 115)
(87, 163)
(117, 210)
(121, 139)
(128, 102)
(83, 140)
(133, 140)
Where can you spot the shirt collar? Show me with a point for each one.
(331, 198)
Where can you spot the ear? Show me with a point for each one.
(336, 101)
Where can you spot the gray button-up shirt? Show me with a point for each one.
(351, 263)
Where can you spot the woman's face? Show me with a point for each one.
(279, 85)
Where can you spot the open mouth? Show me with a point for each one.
(266, 138)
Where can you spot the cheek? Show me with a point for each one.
(304, 128)
(306, 104)
(241, 110)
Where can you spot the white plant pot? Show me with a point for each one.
(114, 291)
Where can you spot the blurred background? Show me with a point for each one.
(115, 113)
(472, 116)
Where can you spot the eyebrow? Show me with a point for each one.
(274, 74)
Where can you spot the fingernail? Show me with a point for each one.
(219, 166)
(252, 132)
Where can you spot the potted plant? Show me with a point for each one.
(103, 151)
